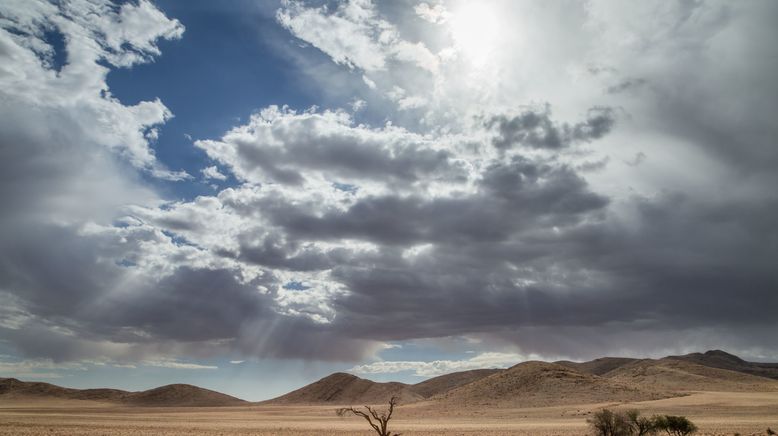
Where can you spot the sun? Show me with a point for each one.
(475, 29)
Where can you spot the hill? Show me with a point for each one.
(342, 388)
(13, 388)
(535, 384)
(178, 395)
(444, 383)
(680, 375)
(597, 366)
(181, 395)
(723, 360)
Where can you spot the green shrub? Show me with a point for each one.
(640, 425)
(674, 425)
(608, 423)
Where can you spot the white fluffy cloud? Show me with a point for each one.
(354, 35)
(317, 149)
(435, 13)
(77, 95)
(440, 367)
(212, 172)
(172, 364)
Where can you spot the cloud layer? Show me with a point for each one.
(527, 214)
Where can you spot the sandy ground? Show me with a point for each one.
(714, 412)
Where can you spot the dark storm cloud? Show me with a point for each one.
(188, 305)
(53, 269)
(349, 157)
(680, 265)
(516, 196)
(529, 253)
(297, 337)
(536, 129)
(77, 305)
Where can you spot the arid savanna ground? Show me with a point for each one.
(714, 412)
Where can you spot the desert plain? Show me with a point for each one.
(720, 393)
(715, 413)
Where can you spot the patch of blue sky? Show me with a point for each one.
(345, 187)
(54, 38)
(222, 70)
(296, 286)
(177, 239)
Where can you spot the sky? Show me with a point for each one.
(250, 195)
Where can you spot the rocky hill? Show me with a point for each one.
(723, 360)
(535, 384)
(444, 383)
(683, 376)
(342, 388)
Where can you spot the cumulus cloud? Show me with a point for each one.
(212, 172)
(290, 148)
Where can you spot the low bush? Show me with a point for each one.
(608, 423)
(629, 423)
(674, 425)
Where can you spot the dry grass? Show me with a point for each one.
(714, 412)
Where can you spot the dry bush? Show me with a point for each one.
(379, 421)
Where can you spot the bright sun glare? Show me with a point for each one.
(474, 26)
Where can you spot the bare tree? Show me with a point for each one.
(376, 419)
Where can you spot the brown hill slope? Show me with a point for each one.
(166, 396)
(536, 384)
(723, 360)
(181, 395)
(342, 388)
(678, 375)
(597, 366)
(444, 383)
(13, 388)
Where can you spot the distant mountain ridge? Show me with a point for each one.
(175, 395)
(723, 360)
(527, 384)
(541, 383)
(534, 384)
(686, 376)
